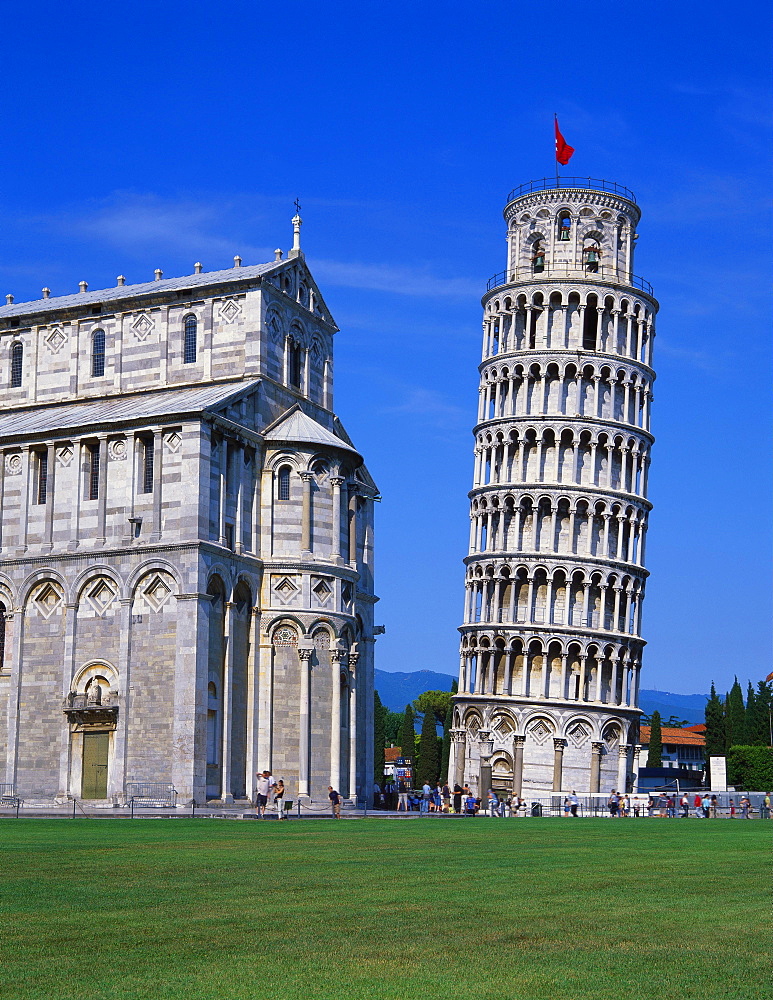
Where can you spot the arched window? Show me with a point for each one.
(294, 363)
(538, 258)
(283, 483)
(98, 354)
(17, 356)
(564, 227)
(189, 350)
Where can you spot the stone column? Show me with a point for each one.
(518, 745)
(337, 658)
(191, 670)
(307, 479)
(559, 745)
(253, 701)
(622, 768)
(14, 693)
(353, 658)
(636, 753)
(595, 766)
(484, 783)
(563, 675)
(225, 763)
(304, 719)
(68, 665)
(335, 544)
(460, 753)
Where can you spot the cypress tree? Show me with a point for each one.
(408, 735)
(655, 752)
(379, 739)
(750, 717)
(445, 751)
(428, 767)
(716, 740)
(734, 716)
(763, 702)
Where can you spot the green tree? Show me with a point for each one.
(716, 741)
(757, 721)
(437, 702)
(454, 686)
(750, 768)
(674, 722)
(408, 734)
(734, 716)
(379, 738)
(428, 766)
(749, 717)
(393, 723)
(445, 748)
(655, 752)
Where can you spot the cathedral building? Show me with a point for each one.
(551, 644)
(186, 542)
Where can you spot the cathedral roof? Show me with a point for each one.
(78, 299)
(126, 408)
(297, 427)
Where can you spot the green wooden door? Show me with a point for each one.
(95, 750)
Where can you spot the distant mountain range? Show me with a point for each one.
(397, 690)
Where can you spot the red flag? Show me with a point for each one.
(563, 149)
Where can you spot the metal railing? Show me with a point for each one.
(151, 795)
(602, 272)
(585, 183)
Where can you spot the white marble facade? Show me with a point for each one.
(551, 641)
(186, 548)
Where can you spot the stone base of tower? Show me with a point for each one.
(529, 748)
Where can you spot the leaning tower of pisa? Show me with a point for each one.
(551, 641)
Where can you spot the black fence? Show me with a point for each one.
(592, 183)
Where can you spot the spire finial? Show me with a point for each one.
(297, 223)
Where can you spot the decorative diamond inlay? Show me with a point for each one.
(48, 599)
(540, 731)
(172, 442)
(56, 340)
(64, 456)
(143, 326)
(101, 595)
(322, 590)
(157, 593)
(578, 734)
(229, 310)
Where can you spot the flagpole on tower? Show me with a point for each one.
(555, 125)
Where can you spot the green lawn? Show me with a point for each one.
(375, 908)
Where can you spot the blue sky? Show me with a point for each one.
(155, 135)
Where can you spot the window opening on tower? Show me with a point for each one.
(591, 256)
(590, 324)
(538, 258)
(564, 227)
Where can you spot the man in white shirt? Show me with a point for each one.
(263, 788)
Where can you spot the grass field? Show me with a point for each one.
(528, 909)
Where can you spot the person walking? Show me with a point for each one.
(684, 805)
(279, 799)
(335, 801)
(574, 802)
(426, 795)
(263, 788)
(713, 807)
(457, 799)
(745, 805)
(402, 795)
(446, 793)
(614, 804)
(765, 807)
(732, 808)
(492, 803)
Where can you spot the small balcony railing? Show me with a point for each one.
(595, 272)
(592, 183)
